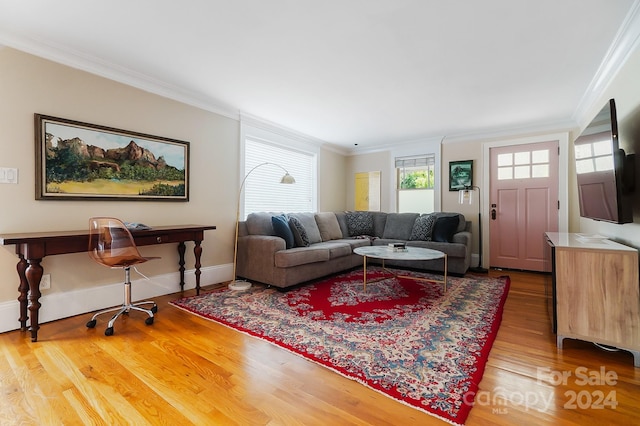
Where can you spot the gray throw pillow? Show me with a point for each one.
(359, 223)
(423, 228)
(299, 233)
(328, 226)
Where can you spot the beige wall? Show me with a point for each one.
(459, 151)
(332, 175)
(33, 85)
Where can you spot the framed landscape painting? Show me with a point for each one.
(82, 161)
(460, 174)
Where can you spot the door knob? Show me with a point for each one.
(493, 214)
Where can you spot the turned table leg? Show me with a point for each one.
(197, 251)
(23, 288)
(33, 274)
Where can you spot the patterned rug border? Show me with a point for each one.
(476, 377)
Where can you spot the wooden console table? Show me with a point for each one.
(32, 247)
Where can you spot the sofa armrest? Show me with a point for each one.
(256, 255)
(464, 237)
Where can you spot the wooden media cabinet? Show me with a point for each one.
(594, 291)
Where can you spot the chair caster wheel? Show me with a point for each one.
(149, 321)
(154, 309)
(91, 324)
(108, 331)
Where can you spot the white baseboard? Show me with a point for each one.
(66, 304)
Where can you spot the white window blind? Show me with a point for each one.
(263, 190)
(421, 161)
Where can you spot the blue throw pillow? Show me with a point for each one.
(444, 228)
(281, 228)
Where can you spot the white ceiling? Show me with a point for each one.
(366, 72)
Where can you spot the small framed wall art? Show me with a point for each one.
(460, 174)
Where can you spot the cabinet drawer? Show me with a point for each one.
(156, 239)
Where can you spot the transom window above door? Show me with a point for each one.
(523, 165)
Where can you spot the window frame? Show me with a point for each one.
(415, 149)
(281, 138)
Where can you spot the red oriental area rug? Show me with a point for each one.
(403, 338)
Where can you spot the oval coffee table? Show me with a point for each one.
(410, 253)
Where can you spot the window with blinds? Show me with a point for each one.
(415, 177)
(262, 188)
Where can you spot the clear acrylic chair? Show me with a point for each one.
(111, 245)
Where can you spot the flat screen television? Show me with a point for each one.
(604, 172)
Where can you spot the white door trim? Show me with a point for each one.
(563, 181)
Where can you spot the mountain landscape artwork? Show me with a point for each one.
(79, 160)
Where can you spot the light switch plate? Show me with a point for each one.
(8, 175)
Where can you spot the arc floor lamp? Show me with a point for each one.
(465, 196)
(237, 284)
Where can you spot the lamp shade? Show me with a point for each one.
(465, 196)
(287, 178)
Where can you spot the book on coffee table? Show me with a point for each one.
(397, 246)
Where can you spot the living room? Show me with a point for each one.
(38, 85)
(34, 83)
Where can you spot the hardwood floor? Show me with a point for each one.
(187, 370)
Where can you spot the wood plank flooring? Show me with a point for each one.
(186, 370)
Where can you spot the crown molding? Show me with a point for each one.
(626, 41)
(93, 65)
(264, 124)
(491, 135)
(512, 132)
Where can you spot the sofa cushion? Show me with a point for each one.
(259, 224)
(308, 221)
(379, 222)
(300, 256)
(423, 228)
(281, 228)
(354, 242)
(399, 225)
(299, 233)
(336, 248)
(328, 226)
(359, 223)
(342, 221)
(444, 228)
(451, 249)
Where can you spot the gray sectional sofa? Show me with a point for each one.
(287, 249)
